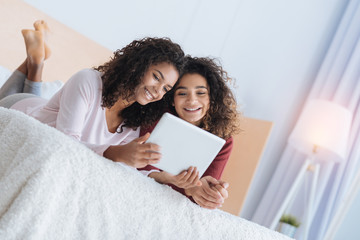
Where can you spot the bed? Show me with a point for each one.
(52, 187)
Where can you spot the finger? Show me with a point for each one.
(209, 204)
(196, 181)
(213, 193)
(224, 184)
(206, 196)
(181, 174)
(151, 156)
(199, 200)
(149, 147)
(152, 161)
(212, 180)
(223, 192)
(187, 175)
(194, 176)
(142, 139)
(144, 162)
(179, 178)
(190, 183)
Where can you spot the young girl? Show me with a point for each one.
(201, 97)
(101, 107)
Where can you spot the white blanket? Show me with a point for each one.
(52, 187)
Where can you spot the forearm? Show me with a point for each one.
(160, 177)
(114, 153)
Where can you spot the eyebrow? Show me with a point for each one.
(197, 87)
(162, 77)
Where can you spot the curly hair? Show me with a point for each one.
(222, 118)
(125, 70)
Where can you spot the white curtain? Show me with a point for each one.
(338, 80)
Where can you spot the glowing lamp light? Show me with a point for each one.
(321, 133)
(323, 129)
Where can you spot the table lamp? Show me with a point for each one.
(321, 133)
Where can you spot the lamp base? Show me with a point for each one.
(314, 168)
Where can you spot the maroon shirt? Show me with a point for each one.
(214, 170)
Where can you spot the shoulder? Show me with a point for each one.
(229, 141)
(86, 79)
(227, 148)
(89, 76)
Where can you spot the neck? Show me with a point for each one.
(120, 105)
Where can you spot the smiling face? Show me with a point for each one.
(191, 98)
(157, 80)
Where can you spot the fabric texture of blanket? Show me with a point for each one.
(52, 187)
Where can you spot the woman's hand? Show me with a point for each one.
(136, 153)
(186, 179)
(211, 194)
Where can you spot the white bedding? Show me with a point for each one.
(53, 187)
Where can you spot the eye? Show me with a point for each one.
(156, 77)
(181, 93)
(201, 93)
(166, 90)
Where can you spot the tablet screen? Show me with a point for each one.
(184, 145)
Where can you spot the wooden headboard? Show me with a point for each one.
(241, 167)
(72, 51)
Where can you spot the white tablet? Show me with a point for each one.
(184, 145)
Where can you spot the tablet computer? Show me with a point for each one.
(184, 145)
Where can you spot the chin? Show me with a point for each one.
(143, 101)
(192, 121)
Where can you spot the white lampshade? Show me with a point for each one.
(325, 125)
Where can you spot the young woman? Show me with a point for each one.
(202, 97)
(101, 107)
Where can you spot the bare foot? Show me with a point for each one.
(34, 42)
(41, 25)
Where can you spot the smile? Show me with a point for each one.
(148, 95)
(192, 109)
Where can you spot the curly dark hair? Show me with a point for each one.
(125, 70)
(222, 118)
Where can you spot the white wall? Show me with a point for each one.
(273, 49)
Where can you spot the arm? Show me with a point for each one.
(76, 100)
(137, 153)
(80, 102)
(186, 179)
(207, 195)
(217, 166)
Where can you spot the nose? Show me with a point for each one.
(191, 98)
(158, 94)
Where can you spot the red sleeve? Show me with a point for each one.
(217, 166)
(143, 131)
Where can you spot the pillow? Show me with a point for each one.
(48, 88)
(4, 75)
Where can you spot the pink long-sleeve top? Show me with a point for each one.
(76, 111)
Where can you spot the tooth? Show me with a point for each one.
(148, 94)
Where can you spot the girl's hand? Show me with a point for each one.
(136, 153)
(186, 179)
(222, 188)
(211, 194)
